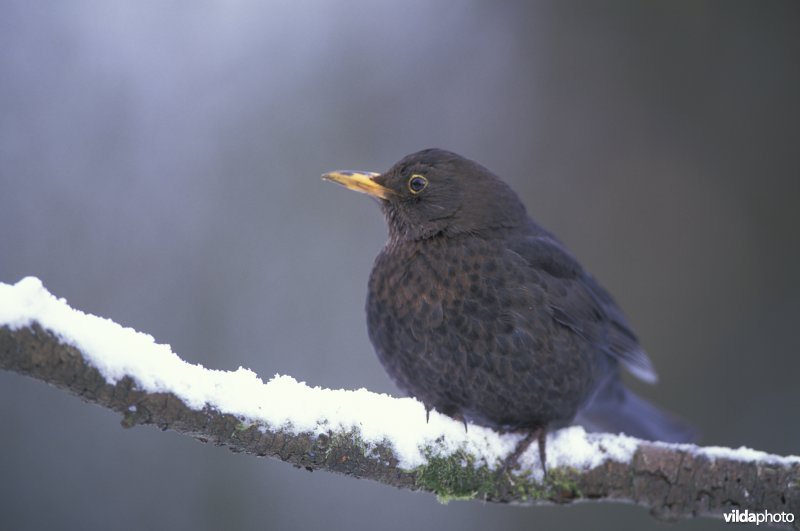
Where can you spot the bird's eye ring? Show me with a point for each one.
(417, 183)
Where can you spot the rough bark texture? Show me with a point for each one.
(672, 483)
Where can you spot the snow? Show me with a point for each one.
(575, 448)
(744, 453)
(285, 403)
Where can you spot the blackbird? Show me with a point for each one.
(485, 316)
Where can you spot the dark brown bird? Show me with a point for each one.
(485, 316)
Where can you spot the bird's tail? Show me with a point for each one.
(617, 409)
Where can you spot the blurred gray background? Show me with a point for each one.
(160, 162)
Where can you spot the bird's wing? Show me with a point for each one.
(578, 302)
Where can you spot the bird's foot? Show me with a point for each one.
(540, 435)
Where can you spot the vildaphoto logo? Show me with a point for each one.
(761, 517)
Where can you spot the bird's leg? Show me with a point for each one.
(521, 448)
(541, 438)
(427, 414)
(539, 435)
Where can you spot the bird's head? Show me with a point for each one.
(434, 192)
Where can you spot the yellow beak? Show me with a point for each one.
(360, 181)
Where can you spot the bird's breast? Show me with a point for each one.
(466, 327)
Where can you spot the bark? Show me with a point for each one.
(672, 482)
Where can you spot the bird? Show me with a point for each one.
(485, 316)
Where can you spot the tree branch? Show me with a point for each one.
(673, 481)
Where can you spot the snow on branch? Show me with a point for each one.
(375, 436)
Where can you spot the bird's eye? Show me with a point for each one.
(417, 183)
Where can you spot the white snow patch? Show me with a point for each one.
(744, 453)
(283, 402)
(573, 447)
